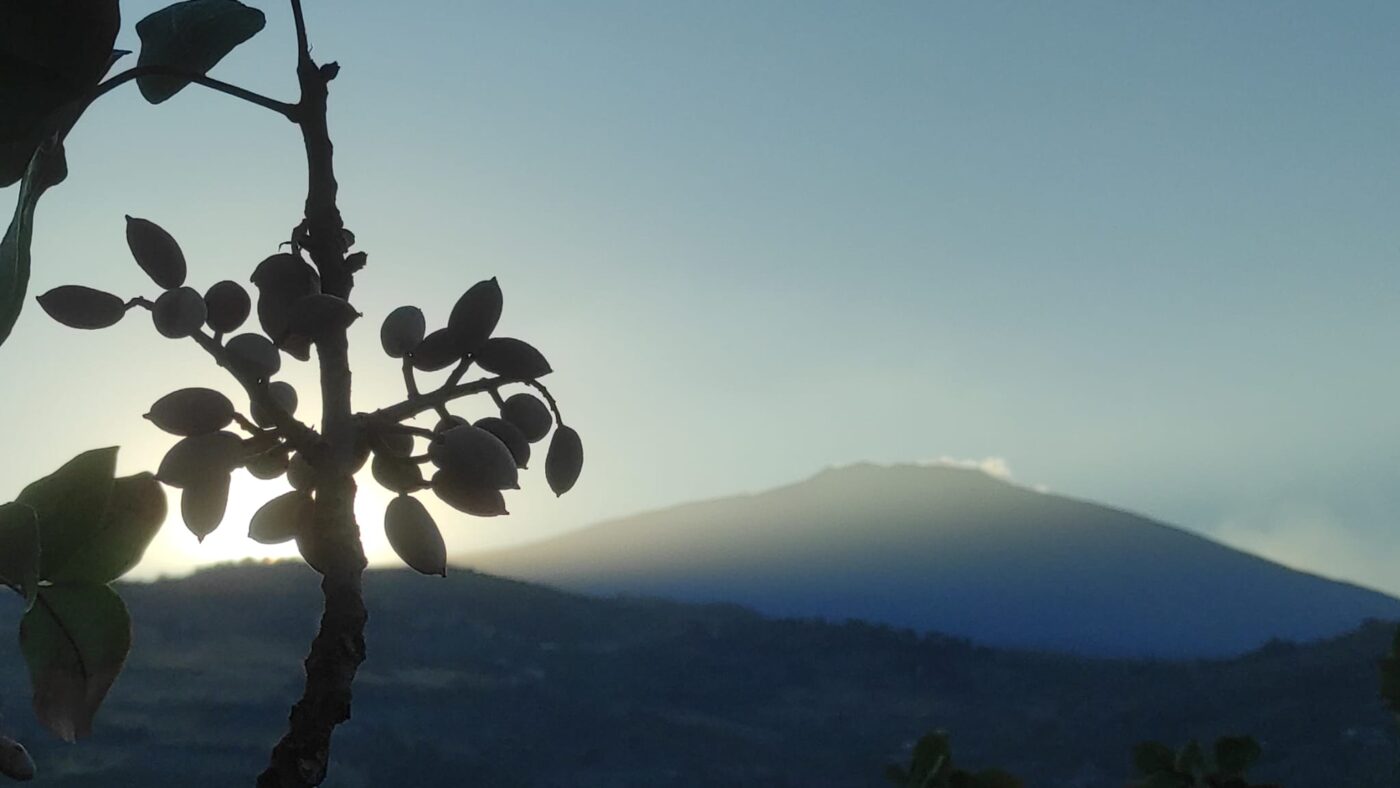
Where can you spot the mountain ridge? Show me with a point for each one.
(954, 550)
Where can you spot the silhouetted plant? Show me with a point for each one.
(1159, 766)
(931, 766)
(54, 55)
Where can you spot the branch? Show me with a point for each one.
(288, 111)
(300, 436)
(413, 406)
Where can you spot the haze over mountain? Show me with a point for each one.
(955, 551)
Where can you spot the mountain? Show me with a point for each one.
(475, 680)
(951, 550)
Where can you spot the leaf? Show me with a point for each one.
(51, 53)
(75, 640)
(19, 550)
(134, 514)
(512, 358)
(69, 504)
(475, 315)
(564, 461)
(192, 411)
(280, 519)
(414, 536)
(1191, 760)
(76, 306)
(402, 330)
(192, 36)
(48, 168)
(157, 252)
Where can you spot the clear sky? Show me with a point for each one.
(1143, 253)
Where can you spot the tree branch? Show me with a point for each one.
(332, 544)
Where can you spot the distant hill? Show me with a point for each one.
(477, 681)
(954, 551)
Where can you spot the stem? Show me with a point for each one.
(300, 436)
(284, 109)
(332, 543)
(413, 406)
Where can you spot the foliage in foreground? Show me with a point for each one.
(932, 766)
(76, 631)
(1159, 766)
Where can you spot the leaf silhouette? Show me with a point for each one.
(192, 36)
(75, 640)
(47, 169)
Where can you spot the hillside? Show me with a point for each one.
(955, 551)
(473, 680)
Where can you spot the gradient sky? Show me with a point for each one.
(1143, 253)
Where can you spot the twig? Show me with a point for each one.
(288, 111)
(413, 406)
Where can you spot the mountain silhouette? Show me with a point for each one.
(955, 551)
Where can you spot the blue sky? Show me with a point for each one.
(1143, 253)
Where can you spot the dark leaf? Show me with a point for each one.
(529, 415)
(75, 641)
(397, 474)
(179, 313)
(202, 504)
(510, 435)
(448, 422)
(69, 504)
(473, 453)
(402, 330)
(19, 550)
(134, 514)
(228, 306)
(45, 170)
(254, 355)
(437, 351)
(475, 315)
(199, 458)
(280, 519)
(191, 36)
(511, 358)
(414, 536)
(564, 461)
(156, 252)
(468, 495)
(76, 306)
(192, 411)
(51, 53)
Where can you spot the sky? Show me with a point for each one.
(1141, 253)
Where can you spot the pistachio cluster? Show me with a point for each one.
(470, 464)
